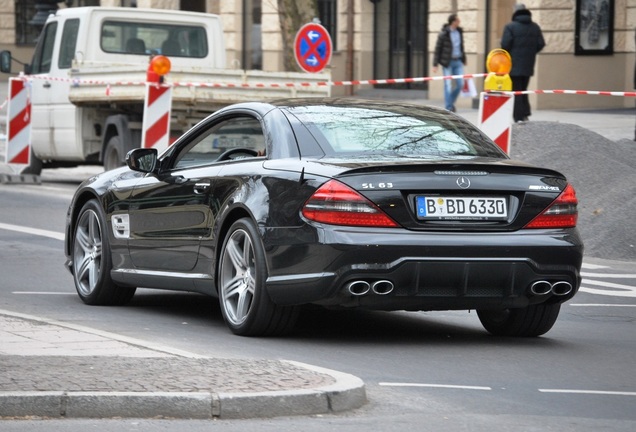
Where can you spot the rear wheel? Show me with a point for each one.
(114, 154)
(92, 260)
(246, 307)
(530, 321)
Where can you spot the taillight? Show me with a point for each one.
(562, 213)
(337, 204)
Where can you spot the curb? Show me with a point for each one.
(347, 393)
(20, 178)
(233, 389)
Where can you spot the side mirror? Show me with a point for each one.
(142, 159)
(5, 61)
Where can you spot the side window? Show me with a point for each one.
(69, 42)
(44, 50)
(233, 134)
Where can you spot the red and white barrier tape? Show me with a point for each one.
(570, 92)
(77, 82)
(108, 84)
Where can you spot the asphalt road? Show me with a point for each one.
(438, 369)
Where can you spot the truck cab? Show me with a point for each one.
(117, 42)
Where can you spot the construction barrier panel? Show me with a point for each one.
(495, 117)
(18, 149)
(156, 118)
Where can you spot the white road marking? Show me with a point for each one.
(446, 386)
(617, 290)
(483, 388)
(34, 231)
(42, 293)
(593, 266)
(609, 275)
(590, 392)
(600, 305)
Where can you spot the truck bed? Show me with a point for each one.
(98, 83)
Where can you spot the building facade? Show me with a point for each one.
(590, 43)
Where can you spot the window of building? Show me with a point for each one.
(328, 15)
(30, 16)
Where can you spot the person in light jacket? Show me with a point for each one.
(449, 52)
(523, 39)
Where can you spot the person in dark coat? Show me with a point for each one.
(523, 39)
(449, 52)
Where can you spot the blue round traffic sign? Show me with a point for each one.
(312, 47)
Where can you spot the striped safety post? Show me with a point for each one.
(156, 118)
(495, 117)
(18, 149)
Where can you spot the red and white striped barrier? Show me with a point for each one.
(495, 117)
(18, 149)
(156, 120)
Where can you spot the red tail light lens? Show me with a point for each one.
(337, 204)
(562, 213)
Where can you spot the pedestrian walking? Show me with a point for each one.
(449, 52)
(523, 39)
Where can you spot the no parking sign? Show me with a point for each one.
(312, 47)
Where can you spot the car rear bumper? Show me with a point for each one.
(423, 271)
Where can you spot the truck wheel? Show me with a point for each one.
(34, 167)
(114, 154)
(530, 321)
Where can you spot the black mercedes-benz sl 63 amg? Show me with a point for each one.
(339, 203)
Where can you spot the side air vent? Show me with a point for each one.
(121, 226)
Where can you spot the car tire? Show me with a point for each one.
(242, 272)
(530, 321)
(113, 154)
(92, 260)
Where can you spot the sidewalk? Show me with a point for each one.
(57, 370)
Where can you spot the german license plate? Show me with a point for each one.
(457, 208)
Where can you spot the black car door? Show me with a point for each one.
(171, 213)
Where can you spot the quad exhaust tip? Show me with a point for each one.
(559, 288)
(362, 287)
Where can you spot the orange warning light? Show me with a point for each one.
(160, 65)
(499, 62)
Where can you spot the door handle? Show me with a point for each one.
(46, 85)
(202, 186)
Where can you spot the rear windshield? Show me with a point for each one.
(123, 37)
(401, 131)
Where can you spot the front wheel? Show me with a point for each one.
(92, 260)
(530, 321)
(245, 304)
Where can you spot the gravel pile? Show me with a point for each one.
(602, 171)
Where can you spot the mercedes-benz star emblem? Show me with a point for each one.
(463, 182)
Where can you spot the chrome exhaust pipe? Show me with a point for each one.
(541, 288)
(359, 288)
(382, 287)
(561, 288)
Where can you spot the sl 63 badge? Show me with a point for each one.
(377, 185)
